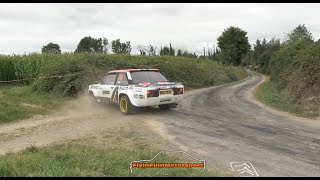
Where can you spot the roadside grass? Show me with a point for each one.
(20, 102)
(268, 94)
(74, 159)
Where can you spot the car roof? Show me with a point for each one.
(133, 70)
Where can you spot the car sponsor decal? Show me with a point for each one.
(138, 90)
(123, 87)
(165, 83)
(144, 83)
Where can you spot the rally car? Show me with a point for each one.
(133, 88)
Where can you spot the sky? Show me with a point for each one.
(25, 28)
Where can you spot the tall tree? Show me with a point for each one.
(234, 44)
(171, 50)
(120, 48)
(300, 32)
(92, 45)
(51, 48)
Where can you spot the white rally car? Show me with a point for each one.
(132, 88)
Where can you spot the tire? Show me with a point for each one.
(125, 105)
(164, 106)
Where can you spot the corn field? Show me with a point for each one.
(194, 72)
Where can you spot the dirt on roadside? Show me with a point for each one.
(97, 124)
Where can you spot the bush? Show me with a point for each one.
(76, 76)
(295, 69)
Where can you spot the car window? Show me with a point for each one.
(122, 79)
(109, 79)
(147, 76)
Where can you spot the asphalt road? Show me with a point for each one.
(224, 124)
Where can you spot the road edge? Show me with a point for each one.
(200, 90)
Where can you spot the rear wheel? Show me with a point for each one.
(125, 105)
(164, 106)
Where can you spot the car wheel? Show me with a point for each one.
(125, 105)
(164, 106)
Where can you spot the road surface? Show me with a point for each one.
(225, 124)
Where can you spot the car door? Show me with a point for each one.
(121, 84)
(107, 86)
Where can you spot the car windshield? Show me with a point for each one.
(147, 76)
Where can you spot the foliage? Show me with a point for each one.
(120, 48)
(51, 48)
(234, 44)
(165, 51)
(261, 54)
(300, 32)
(294, 68)
(92, 45)
(76, 76)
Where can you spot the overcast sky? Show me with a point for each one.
(27, 27)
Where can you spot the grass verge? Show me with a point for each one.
(270, 95)
(75, 159)
(20, 102)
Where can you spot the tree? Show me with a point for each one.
(120, 48)
(262, 53)
(179, 53)
(51, 48)
(300, 32)
(92, 45)
(210, 52)
(105, 43)
(171, 51)
(151, 50)
(142, 49)
(233, 44)
(185, 53)
(165, 51)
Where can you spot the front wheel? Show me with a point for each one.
(125, 105)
